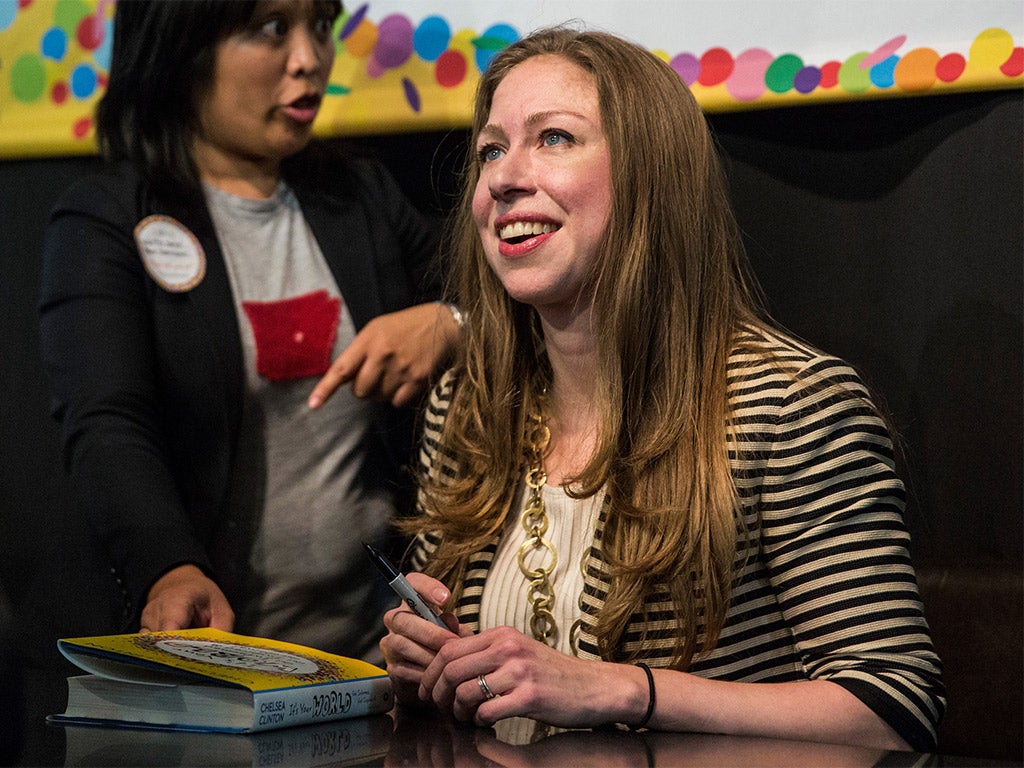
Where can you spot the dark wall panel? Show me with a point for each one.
(889, 233)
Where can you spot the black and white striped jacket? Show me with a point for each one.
(826, 589)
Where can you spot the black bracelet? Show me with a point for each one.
(651, 700)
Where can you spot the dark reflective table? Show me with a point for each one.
(404, 738)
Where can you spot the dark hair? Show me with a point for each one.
(162, 63)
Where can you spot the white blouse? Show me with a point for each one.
(571, 532)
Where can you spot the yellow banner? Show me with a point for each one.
(397, 72)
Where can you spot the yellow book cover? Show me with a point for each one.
(206, 679)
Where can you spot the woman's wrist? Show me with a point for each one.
(456, 313)
(651, 698)
(625, 702)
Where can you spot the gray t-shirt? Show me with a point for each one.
(307, 491)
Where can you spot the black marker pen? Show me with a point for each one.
(402, 587)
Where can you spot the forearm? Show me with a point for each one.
(813, 710)
(127, 491)
(121, 481)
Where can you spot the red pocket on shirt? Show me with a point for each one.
(294, 337)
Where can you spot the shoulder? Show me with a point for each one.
(784, 392)
(117, 193)
(108, 205)
(769, 366)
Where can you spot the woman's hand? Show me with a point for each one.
(393, 357)
(186, 597)
(412, 642)
(529, 679)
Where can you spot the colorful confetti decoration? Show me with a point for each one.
(395, 73)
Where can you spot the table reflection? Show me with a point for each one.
(359, 741)
(422, 741)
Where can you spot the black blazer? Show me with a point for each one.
(148, 383)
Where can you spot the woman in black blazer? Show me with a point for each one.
(193, 298)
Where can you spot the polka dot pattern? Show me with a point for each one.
(746, 76)
(66, 69)
(423, 67)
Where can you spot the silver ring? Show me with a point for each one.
(488, 693)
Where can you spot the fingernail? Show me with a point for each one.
(315, 402)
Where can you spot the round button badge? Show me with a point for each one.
(170, 252)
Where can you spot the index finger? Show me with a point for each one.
(342, 370)
(401, 621)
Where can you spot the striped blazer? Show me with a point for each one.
(825, 586)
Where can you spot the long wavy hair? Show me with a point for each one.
(669, 289)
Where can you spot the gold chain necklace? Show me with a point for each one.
(539, 590)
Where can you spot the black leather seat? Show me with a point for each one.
(976, 614)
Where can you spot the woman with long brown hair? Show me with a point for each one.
(643, 503)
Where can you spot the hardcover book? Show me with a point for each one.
(208, 680)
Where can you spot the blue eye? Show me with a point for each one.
(554, 138)
(489, 153)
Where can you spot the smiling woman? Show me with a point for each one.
(641, 501)
(543, 197)
(211, 274)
